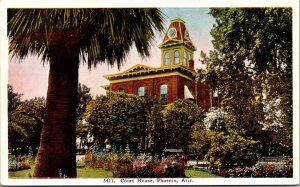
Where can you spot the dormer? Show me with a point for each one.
(177, 47)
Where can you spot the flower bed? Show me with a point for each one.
(126, 165)
(271, 170)
(260, 170)
(152, 169)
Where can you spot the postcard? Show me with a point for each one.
(149, 93)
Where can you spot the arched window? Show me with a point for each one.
(141, 91)
(167, 58)
(184, 58)
(163, 93)
(216, 93)
(121, 90)
(176, 57)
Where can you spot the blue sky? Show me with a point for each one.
(30, 77)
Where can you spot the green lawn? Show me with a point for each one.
(85, 172)
(22, 174)
(82, 172)
(199, 174)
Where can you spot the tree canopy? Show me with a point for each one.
(231, 150)
(179, 117)
(13, 98)
(155, 125)
(84, 97)
(218, 143)
(82, 129)
(25, 121)
(251, 66)
(118, 117)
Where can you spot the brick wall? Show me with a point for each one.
(175, 88)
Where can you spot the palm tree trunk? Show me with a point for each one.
(57, 150)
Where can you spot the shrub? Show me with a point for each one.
(13, 165)
(229, 150)
(18, 163)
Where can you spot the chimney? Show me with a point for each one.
(191, 64)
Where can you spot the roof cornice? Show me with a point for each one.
(174, 42)
(158, 70)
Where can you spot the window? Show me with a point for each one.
(141, 91)
(184, 58)
(167, 58)
(176, 57)
(215, 93)
(163, 93)
(121, 90)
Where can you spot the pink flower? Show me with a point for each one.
(184, 157)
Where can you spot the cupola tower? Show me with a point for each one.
(177, 47)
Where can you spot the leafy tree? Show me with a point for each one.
(83, 129)
(118, 117)
(14, 129)
(217, 119)
(17, 133)
(25, 125)
(216, 142)
(179, 117)
(63, 37)
(155, 125)
(13, 98)
(84, 97)
(277, 134)
(231, 150)
(201, 142)
(94, 115)
(252, 59)
(236, 88)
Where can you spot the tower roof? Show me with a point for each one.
(177, 33)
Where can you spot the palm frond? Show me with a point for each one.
(104, 35)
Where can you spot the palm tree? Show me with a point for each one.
(64, 37)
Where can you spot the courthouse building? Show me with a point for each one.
(174, 79)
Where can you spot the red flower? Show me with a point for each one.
(109, 165)
(159, 170)
(100, 164)
(257, 173)
(118, 165)
(24, 165)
